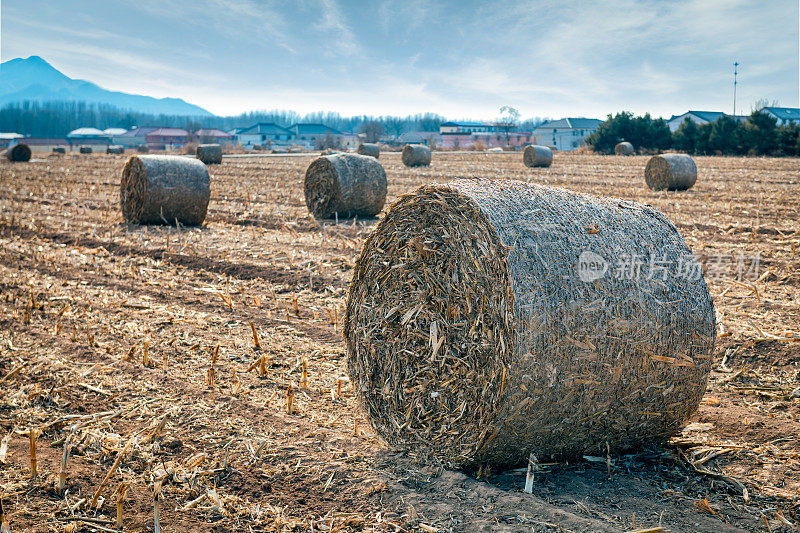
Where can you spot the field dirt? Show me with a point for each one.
(133, 348)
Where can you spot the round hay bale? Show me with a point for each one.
(85, 150)
(59, 150)
(486, 320)
(116, 150)
(19, 153)
(624, 148)
(210, 154)
(416, 155)
(345, 185)
(142, 149)
(674, 172)
(537, 156)
(257, 147)
(158, 189)
(370, 149)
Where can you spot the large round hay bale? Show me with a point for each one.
(85, 149)
(210, 154)
(416, 155)
(370, 149)
(115, 150)
(59, 150)
(537, 156)
(674, 172)
(490, 319)
(19, 153)
(143, 149)
(158, 189)
(345, 185)
(624, 148)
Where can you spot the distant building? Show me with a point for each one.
(310, 135)
(213, 136)
(265, 134)
(784, 115)
(46, 144)
(350, 141)
(430, 138)
(167, 138)
(465, 127)
(567, 133)
(133, 138)
(488, 139)
(6, 139)
(113, 132)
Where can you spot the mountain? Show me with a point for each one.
(34, 79)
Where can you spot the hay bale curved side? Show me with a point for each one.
(19, 153)
(370, 149)
(85, 150)
(210, 154)
(537, 156)
(345, 185)
(416, 155)
(624, 148)
(674, 172)
(115, 150)
(158, 189)
(481, 324)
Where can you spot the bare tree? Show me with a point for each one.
(373, 131)
(509, 118)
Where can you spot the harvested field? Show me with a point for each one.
(136, 346)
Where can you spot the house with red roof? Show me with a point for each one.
(167, 138)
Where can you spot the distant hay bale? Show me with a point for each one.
(19, 153)
(116, 150)
(370, 149)
(158, 189)
(345, 185)
(329, 151)
(59, 150)
(257, 147)
(85, 150)
(674, 172)
(624, 148)
(142, 149)
(486, 320)
(537, 156)
(416, 155)
(210, 154)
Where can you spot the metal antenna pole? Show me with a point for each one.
(735, 82)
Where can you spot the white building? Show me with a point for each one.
(567, 133)
(265, 134)
(465, 127)
(784, 115)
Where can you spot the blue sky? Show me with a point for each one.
(460, 59)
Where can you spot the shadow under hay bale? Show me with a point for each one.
(85, 150)
(488, 319)
(19, 153)
(142, 149)
(115, 150)
(210, 154)
(624, 148)
(537, 156)
(158, 189)
(416, 155)
(345, 185)
(674, 172)
(370, 149)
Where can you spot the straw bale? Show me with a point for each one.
(19, 153)
(345, 185)
(537, 156)
(158, 189)
(116, 150)
(416, 155)
(481, 325)
(370, 149)
(85, 150)
(59, 150)
(142, 149)
(674, 172)
(210, 154)
(624, 148)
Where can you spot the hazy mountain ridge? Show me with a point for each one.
(34, 79)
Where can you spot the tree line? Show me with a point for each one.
(760, 134)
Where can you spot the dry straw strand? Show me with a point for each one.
(472, 337)
(673, 172)
(160, 189)
(345, 185)
(416, 155)
(537, 156)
